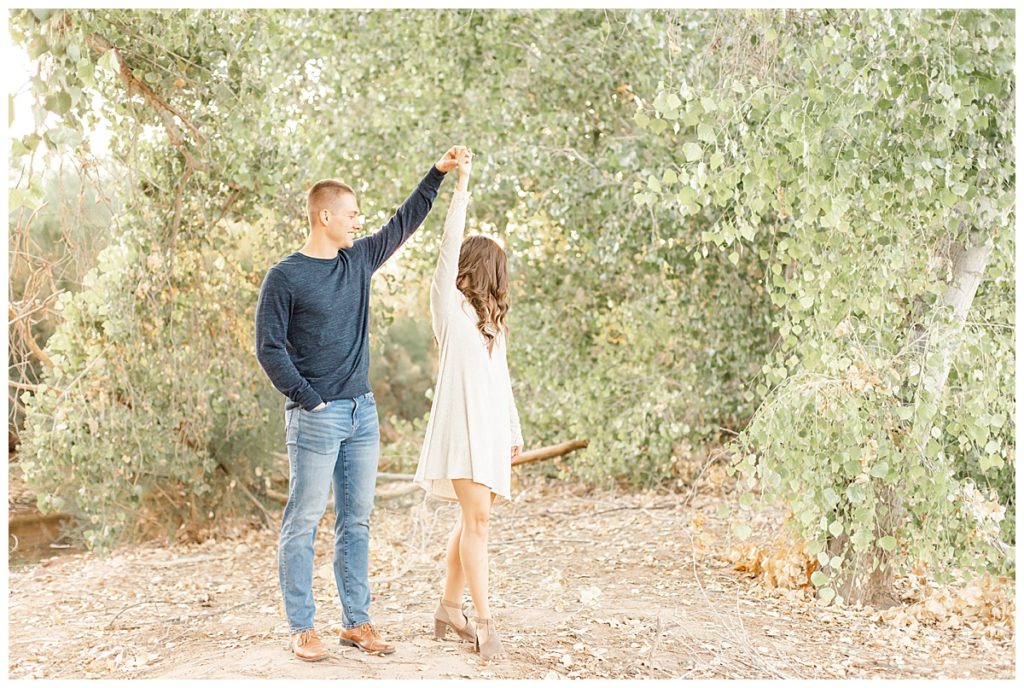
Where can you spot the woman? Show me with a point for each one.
(474, 425)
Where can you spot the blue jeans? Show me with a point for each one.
(337, 445)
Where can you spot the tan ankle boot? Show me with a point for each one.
(443, 620)
(492, 646)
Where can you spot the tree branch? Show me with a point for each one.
(164, 110)
(26, 333)
(550, 452)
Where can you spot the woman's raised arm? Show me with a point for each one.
(442, 288)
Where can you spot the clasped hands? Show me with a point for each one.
(456, 156)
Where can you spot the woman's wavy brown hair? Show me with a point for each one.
(483, 278)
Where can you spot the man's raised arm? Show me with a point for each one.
(383, 243)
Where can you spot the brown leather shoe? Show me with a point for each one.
(306, 645)
(366, 638)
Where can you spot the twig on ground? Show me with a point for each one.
(727, 626)
(190, 560)
(110, 624)
(425, 537)
(654, 644)
(582, 514)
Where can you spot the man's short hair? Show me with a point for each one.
(324, 194)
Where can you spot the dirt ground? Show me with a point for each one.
(584, 584)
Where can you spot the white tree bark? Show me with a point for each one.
(968, 268)
(937, 347)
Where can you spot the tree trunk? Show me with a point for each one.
(968, 268)
(861, 580)
(936, 346)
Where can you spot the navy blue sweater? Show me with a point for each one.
(313, 314)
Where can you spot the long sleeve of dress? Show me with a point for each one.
(442, 288)
(517, 431)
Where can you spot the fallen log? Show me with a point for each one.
(385, 492)
(551, 452)
(28, 531)
(35, 518)
(278, 497)
(396, 489)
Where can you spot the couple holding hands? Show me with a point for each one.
(312, 323)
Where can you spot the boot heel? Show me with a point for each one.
(440, 629)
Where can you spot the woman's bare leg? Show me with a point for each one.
(455, 579)
(475, 501)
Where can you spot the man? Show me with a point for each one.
(312, 322)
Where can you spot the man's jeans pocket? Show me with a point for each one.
(319, 432)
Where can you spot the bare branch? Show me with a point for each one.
(26, 332)
(164, 110)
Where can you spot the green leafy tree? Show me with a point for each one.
(222, 119)
(867, 157)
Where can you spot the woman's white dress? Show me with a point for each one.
(473, 420)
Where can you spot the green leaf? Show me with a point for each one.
(855, 492)
(819, 579)
(836, 528)
(734, 258)
(59, 102)
(747, 230)
(705, 133)
(37, 47)
(742, 531)
(888, 543)
(686, 196)
(692, 151)
(87, 73)
(109, 61)
(65, 136)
